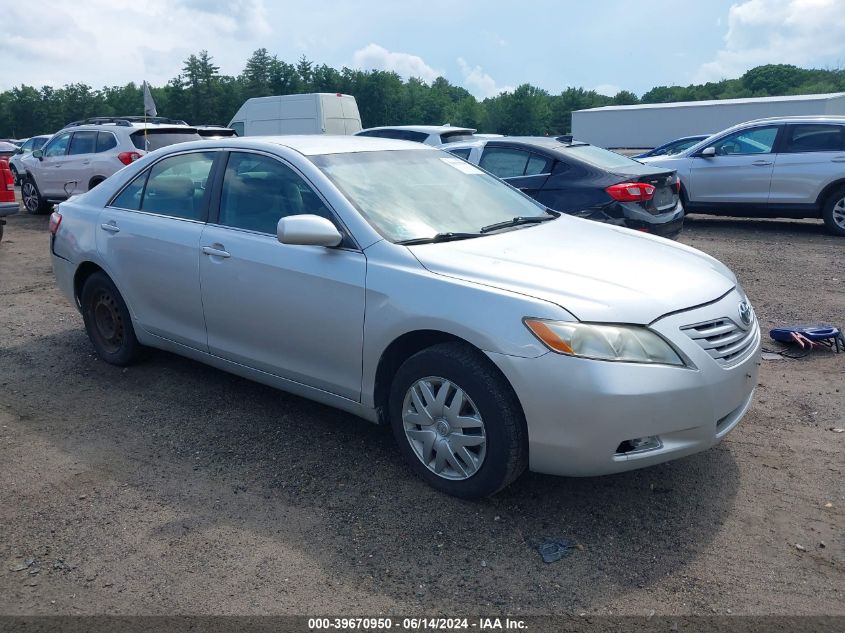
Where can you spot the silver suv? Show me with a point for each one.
(788, 167)
(84, 153)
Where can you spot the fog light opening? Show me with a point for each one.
(639, 445)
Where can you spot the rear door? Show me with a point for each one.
(811, 156)
(149, 237)
(77, 167)
(741, 170)
(291, 311)
(527, 171)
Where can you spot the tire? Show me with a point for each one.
(15, 176)
(833, 212)
(108, 323)
(94, 182)
(481, 454)
(32, 200)
(1, 232)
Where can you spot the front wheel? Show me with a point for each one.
(108, 322)
(32, 199)
(457, 421)
(834, 212)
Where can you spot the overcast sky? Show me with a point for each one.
(485, 46)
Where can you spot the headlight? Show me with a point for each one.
(626, 343)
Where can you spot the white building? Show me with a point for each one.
(652, 124)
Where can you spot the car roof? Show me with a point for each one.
(312, 144)
(427, 129)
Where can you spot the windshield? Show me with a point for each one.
(598, 157)
(412, 194)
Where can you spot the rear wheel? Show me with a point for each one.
(32, 199)
(457, 421)
(108, 322)
(834, 212)
(15, 176)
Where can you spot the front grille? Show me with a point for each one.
(723, 339)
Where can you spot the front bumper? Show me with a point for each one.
(580, 411)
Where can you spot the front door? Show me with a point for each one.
(51, 170)
(292, 311)
(739, 173)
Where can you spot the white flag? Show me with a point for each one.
(149, 104)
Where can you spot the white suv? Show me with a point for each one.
(786, 167)
(83, 154)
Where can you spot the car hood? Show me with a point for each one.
(594, 271)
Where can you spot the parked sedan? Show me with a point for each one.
(673, 147)
(581, 179)
(29, 146)
(407, 286)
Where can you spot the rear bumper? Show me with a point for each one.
(8, 208)
(666, 224)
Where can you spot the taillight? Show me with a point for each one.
(128, 157)
(678, 185)
(55, 222)
(7, 183)
(631, 191)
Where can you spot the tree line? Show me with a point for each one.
(199, 94)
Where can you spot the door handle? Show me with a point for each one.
(111, 227)
(215, 252)
(762, 163)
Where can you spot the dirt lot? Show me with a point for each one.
(170, 487)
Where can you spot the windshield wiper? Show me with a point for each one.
(531, 219)
(440, 237)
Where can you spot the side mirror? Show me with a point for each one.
(308, 230)
(708, 152)
(39, 154)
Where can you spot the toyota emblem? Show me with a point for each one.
(745, 313)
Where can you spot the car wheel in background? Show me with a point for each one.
(15, 176)
(108, 322)
(32, 200)
(94, 182)
(457, 421)
(834, 212)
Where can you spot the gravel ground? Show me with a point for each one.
(171, 487)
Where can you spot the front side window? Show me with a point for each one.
(418, 193)
(504, 162)
(83, 143)
(259, 190)
(27, 147)
(758, 140)
(58, 146)
(173, 187)
(814, 138)
(37, 143)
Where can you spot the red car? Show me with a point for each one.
(8, 204)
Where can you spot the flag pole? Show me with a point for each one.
(146, 140)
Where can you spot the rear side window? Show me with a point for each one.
(156, 139)
(504, 162)
(238, 126)
(258, 191)
(814, 138)
(538, 165)
(83, 143)
(105, 141)
(174, 187)
(58, 146)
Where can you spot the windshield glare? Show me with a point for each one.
(411, 194)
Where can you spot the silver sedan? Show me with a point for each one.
(406, 286)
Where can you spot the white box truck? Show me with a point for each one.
(315, 113)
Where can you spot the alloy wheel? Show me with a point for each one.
(30, 197)
(839, 213)
(444, 428)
